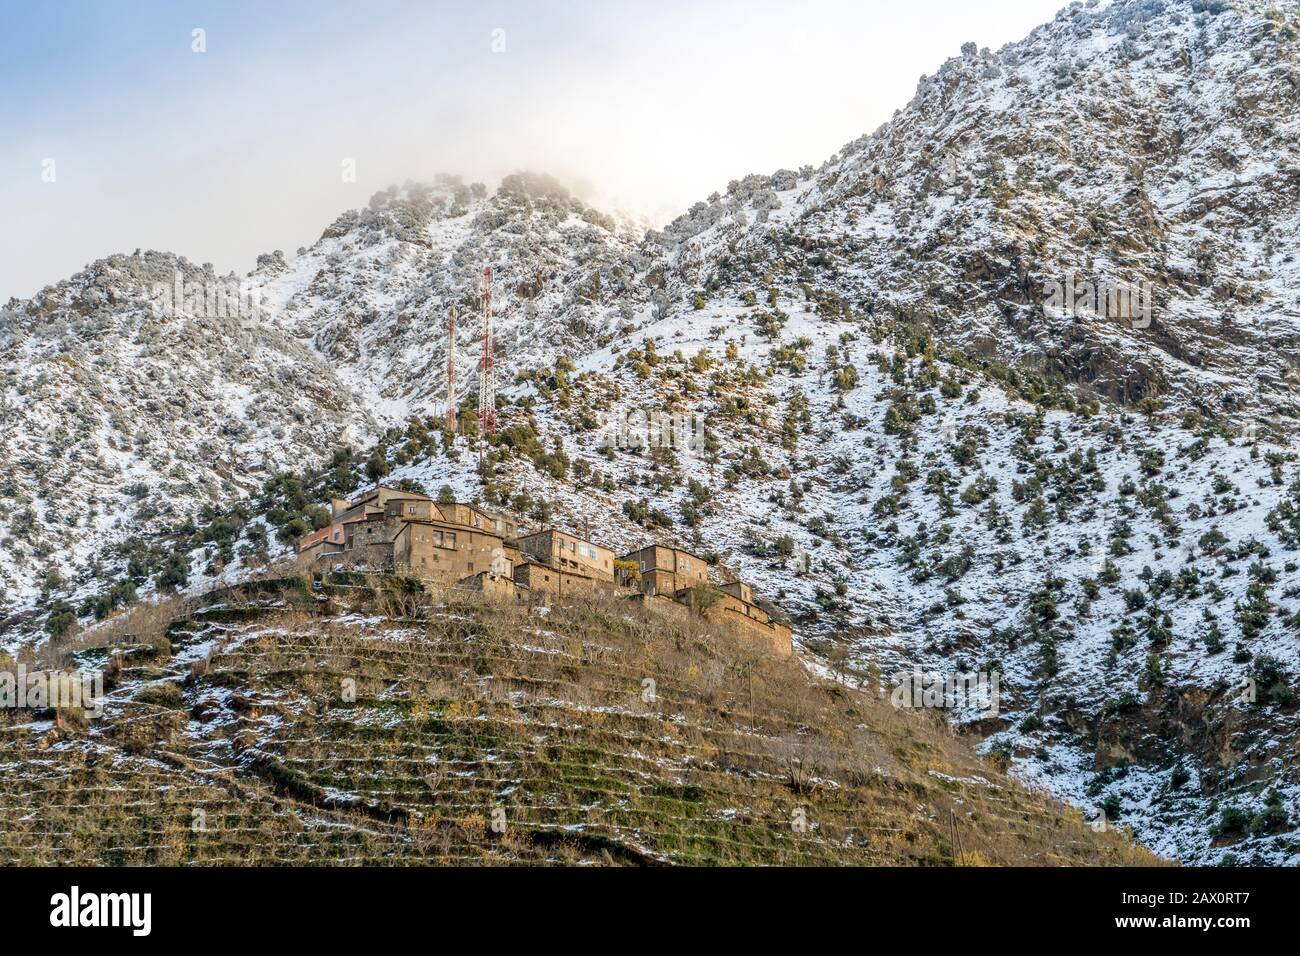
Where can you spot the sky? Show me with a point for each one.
(221, 129)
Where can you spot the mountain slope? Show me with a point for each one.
(372, 296)
(110, 393)
(1143, 141)
(105, 402)
(372, 723)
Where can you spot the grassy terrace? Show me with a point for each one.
(374, 722)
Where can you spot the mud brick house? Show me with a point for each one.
(476, 517)
(569, 553)
(665, 570)
(559, 563)
(738, 589)
(387, 528)
(742, 611)
(670, 574)
(376, 500)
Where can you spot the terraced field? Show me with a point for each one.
(375, 723)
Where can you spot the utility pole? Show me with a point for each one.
(451, 370)
(487, 376)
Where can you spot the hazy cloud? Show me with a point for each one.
(224, 152)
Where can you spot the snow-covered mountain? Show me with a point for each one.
(907, 446)
(130, 382)
(1144, 141)
(372, 296)
(116, 418)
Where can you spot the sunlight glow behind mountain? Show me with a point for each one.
(640, 108)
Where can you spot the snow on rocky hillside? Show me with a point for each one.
(1152, 140)
(115, 417)
(111, 393)
(1132, 579)
(372, 296)
(905, 448)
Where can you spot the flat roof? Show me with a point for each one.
(666, 547)
(371, 492)
(554, 530)
(409, 520)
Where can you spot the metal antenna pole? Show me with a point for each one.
(487, 382)
(451, 370)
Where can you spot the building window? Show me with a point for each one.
(450, 538)
(410, 510)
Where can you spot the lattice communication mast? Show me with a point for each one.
(451, 369)
(487, 373)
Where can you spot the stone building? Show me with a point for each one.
(387, 529)
(670, 574)
(390, 529)
(376, 500)
(541, 578)
(738, 608)
(568, 552)
(493, 585)
(665, 570)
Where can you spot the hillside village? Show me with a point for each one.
(463, 545)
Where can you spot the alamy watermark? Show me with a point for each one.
(74, 909)
(970, 691)
(1128, 302)
(41, 690)
(635, 429)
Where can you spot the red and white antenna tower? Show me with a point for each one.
(487, 373)
(451, 369)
